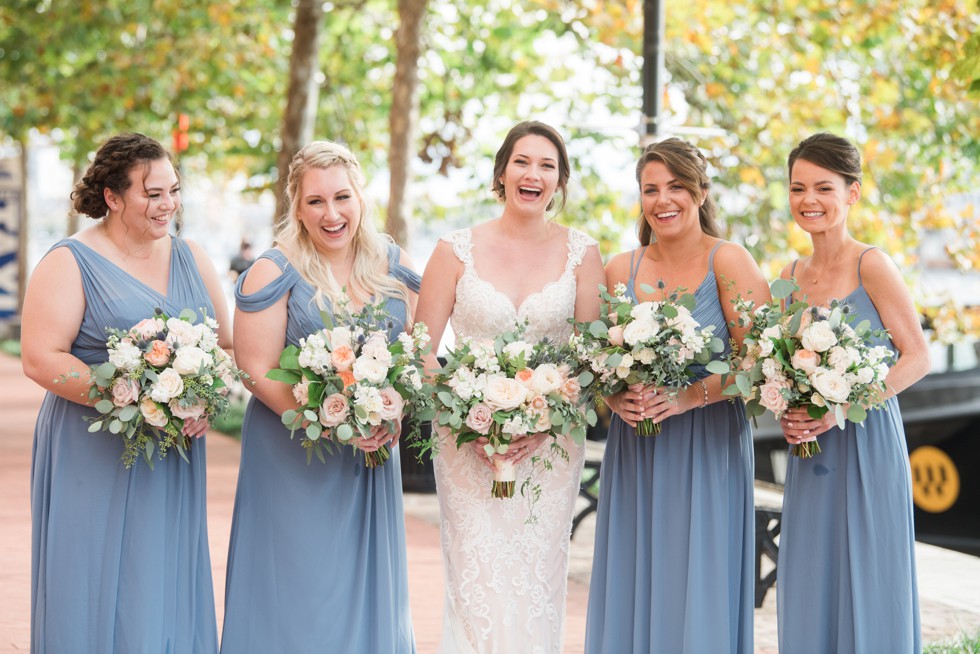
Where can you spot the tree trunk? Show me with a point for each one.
(301, 97)
(404, 116)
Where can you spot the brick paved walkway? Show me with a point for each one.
(949, 583)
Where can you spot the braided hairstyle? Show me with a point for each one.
(110, 170)
(689, 166)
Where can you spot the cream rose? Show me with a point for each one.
(152, 413)
(819, 337)
(376, 347)
(334, 410)
(340, 337)
(639, 331)
(831, 385)
(570, 390)
(168, 385)
(546, 379)
(480, 418)
(181, 332)
(125, 391)
(504, 393)
(392, 404)
(371, 370)
(839, 358)
(189, 360)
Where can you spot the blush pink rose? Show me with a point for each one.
(570, 390)
(772, 398)
(342, 358)
(616, 335)
(158, 355)
(392, 404)
(147, 327)
(334, 410)
(301, 392)
(125, 391)
(480, 418)
(189, 411)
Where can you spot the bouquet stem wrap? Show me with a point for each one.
(504, 476)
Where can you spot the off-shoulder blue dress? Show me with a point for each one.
(673, 567)
(846, 577)
(317, 560)
(120, 556)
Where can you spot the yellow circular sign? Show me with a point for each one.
(935, 480)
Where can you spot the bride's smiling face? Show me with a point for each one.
(531, 175)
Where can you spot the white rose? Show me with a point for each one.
(504, 393)
(515, 426)
(831, 385)
(773, 332)
(340, 337)
(646, 355)
(546, 379)
(517, 348)
(188, 360)
(125, 355)
(369, 398)
(168, 385)
(369, 369)
(643, 312)
(819, 337)
(180, 332)
(838, 358)
(865, 375)
(640, 331)
(376, 347)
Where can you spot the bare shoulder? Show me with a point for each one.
(618, 266)
(733, 256)
(875, 262)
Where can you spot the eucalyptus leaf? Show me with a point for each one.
(717, 367)
(344, 432)
(782, 289)
(313, 431)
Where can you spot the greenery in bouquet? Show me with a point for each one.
(162, 371)
(655, 343)
(807, 357)
(348, 379)
(507, 389)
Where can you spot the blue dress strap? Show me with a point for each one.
(711, 257)
(860, 283)
(411, 278)
(269, 294)
(631, 282)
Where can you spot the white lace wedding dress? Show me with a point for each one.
(506, 580)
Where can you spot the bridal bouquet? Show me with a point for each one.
(651, 343)
(807, 357)
(160, 372)
(347, 379)
(507, 389)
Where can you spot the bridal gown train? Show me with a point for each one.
(505, 579)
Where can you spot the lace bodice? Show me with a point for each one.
(481, 311)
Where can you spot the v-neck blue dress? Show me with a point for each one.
(846, 566)
(317, 561)
(673, 566)
(120, 556)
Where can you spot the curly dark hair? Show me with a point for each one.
(516, 133)
(690, 167)
(110, 170)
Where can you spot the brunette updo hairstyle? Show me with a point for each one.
(516, 133)
(110, 170)
(689, 166)
(829, 151)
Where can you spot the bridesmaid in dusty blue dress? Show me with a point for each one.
(846, 571)
(317, 561)
(120, 556)
(673, 566)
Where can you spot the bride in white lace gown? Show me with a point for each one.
(506, 579)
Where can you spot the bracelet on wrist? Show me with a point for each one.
(704, 389)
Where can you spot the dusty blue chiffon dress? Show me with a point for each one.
(120, 556)
(846, 567)
(673, 567)
(317, 560)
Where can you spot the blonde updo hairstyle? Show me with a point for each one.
(688, 165)
(369, 276)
